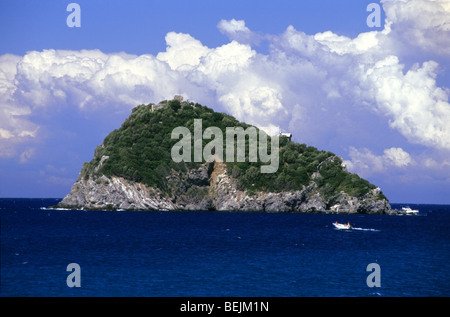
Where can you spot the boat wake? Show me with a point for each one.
(365, 229)
(49, 208)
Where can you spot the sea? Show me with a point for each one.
(78, 253)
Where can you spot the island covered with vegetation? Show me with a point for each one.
(139, 154)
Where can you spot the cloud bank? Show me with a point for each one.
(323, 87)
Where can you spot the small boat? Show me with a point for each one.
(342, 226)
(410, 211)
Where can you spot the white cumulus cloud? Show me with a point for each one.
(322, 87)
(237, 30)
(183, 51)
(365, 162)
(397, 157)
(420, 24)
(412, 101)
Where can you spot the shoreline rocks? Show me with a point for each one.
(210, 187)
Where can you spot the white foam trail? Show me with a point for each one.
(45, 208)
(365, 229)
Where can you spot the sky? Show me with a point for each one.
(378, 96)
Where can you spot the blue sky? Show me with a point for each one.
(139, 26)
(377, 96)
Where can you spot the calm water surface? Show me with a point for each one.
(221, 254)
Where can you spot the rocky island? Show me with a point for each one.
(133, 170)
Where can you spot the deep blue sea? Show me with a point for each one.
(192, 254)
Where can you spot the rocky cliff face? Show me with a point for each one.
(210, 187)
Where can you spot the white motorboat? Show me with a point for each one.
(410, 211)
(342, 226)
